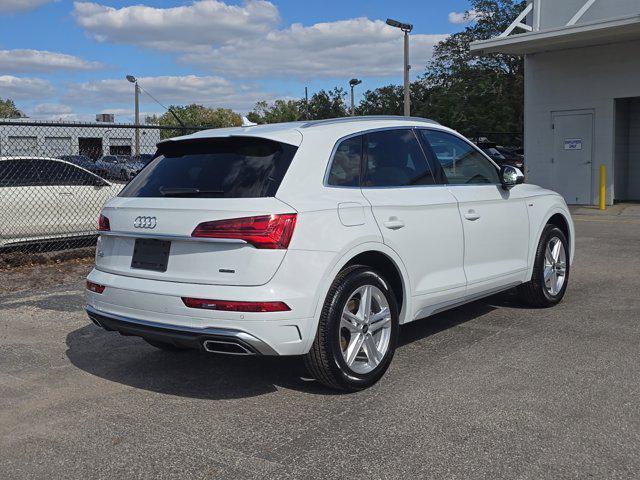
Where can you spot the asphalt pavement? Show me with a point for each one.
(488, 390)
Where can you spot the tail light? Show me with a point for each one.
(265, 231)
(231, 306)
(103, 224)
(94, 287)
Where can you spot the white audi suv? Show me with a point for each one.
(320, 239)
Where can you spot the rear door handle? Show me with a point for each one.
(394, 224)
(472, 215)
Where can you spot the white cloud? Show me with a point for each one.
(210, 91)
(51, 109)
(360, 46)
(56, 111)
(243, 41)
(12, 6)
(21, 61)
(20, 88)
(464, 17)
(184, 28)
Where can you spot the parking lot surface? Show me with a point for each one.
(488, 390)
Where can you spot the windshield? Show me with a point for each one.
(238, 167)
(492, 152)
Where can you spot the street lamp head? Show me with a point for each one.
(131, 78)
(405, 27)
(354, 81)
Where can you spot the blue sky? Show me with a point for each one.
(67, 60)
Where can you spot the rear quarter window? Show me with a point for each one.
(237, 167)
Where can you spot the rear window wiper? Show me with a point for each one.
(187, 191)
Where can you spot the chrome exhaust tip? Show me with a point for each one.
(228, 347)
(96, 322)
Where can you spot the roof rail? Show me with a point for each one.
(329, 121)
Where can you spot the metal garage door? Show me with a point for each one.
(120, 146)
(18, 146)
(56, 146)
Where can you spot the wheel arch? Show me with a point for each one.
(560, 221)
(387, 267)
(560, 217)
(376, 255)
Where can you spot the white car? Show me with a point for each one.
(320, 239)
(48, 198)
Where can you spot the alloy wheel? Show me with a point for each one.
(555, 266)
(365, 329)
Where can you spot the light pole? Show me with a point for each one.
(133, 80)
(352, 83)
(406, 28)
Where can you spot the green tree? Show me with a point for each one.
(327, 104)
(197, 116)
(475, 94)
(8, 109)
(277, 112)
(387, 100)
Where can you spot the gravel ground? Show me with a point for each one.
(488, 390)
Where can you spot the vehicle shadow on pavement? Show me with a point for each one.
(130, 361)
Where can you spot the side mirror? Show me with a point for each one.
(510, 176)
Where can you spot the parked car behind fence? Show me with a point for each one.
(51, 192)
(81, 161)
(118, 167)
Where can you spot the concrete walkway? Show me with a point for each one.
(617, 210)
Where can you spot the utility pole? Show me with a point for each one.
(306, 103)
(137, 113)
(133, 80)
(352, 83)
(407, 67)
(406, 28)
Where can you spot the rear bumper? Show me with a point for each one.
(181, 336)
(144, 301)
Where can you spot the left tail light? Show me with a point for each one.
(103, 224)
(264, 231)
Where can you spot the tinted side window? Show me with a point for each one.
(395, 159)
(72, 175)
(345, 167)
(461, 162)
(53, 173)
(18, 173)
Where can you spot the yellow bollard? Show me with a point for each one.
(603, 187)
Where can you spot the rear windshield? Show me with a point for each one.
(240, 167)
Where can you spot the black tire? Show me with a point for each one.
(534, 292)
(325, 360)
(123, 174)
(167, 347)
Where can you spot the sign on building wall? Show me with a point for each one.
(573, 144)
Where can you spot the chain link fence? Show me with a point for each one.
(55, 178)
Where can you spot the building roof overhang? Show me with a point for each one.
(576, 36)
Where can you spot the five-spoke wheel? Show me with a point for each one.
(550, 270)
(365, 329)
(555, 265)
(358, 330)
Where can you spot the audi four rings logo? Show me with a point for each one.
(145, 222)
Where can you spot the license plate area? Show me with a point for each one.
(150, 254)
